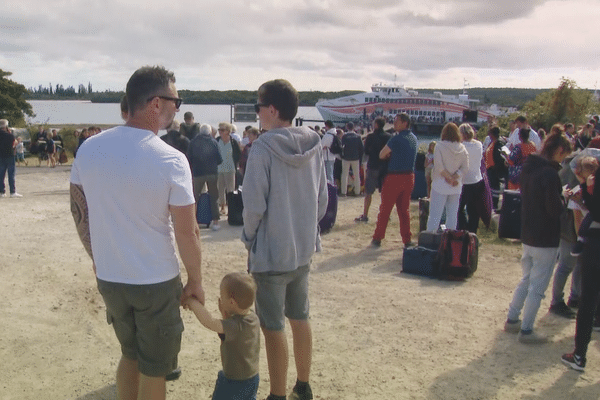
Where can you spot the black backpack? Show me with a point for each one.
(336, 145)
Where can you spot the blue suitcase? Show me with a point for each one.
(203, 212)
(328, 220)
(420, 261)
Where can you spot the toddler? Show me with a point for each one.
(586, 169)
(20, 151)
(239, 331)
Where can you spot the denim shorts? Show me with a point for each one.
(228, 389)
(281, 295)
(147, 322)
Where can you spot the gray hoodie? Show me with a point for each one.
(285, 197)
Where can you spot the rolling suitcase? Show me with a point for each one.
(458, 254)
(509, 225)
(235, 208)
(420, 261)
(328, 220)
(203, 210)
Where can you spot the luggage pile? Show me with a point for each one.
(448, 255)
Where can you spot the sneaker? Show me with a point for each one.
(375, 243)
(173, 375)
(17, 195)
(512, 326)
(562, 310)
(307, 395)
(362, 218)
(409, 244)
(2, 194)
(577, 249)
(215, 227)
(574, 361)
(573, 303)
(531, 338)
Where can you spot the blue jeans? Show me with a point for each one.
(7, 164)
(229, 389)
(537, 264)
(566, 264)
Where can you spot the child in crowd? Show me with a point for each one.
(586, 168)
(239, 331)
(429, 165)
(20, 152)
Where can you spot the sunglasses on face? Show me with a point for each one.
(176, 100)
(257, 107)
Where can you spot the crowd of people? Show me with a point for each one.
(285, 172)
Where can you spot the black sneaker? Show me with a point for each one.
(375, 243)
(562, 310)
(307, 395)
(574, 361)
(577, 249)
(573, 303)
(362, 218)
(173, 375)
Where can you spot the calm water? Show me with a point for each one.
(58, 112)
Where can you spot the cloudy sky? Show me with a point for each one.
(316, 44)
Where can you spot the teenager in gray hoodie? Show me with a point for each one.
(285, 196)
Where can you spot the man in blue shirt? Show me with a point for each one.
(400, 180)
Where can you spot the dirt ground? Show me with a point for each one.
(378, 333)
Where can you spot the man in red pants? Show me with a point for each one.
(398, 185)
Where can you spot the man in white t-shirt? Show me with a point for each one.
(328, 156)
(513, 139)
(132, 199)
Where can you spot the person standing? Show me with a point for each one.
(285, 195)
(399, 182)
(7, 159)
(514, 139)
(230, 154)
(174, 138)
(374, 143)
(541, 206)
(204, 156)
(495, 164)
(328, 157)
(189, 128)
(131, 200)
(472, 201)
(451, 163)
(352, 152)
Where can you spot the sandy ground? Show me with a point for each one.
(378, 333)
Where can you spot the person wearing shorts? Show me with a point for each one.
(285, 195)
(131, 194)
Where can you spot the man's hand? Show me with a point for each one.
(192, 289)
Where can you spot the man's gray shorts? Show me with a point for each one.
(281, 295)
(371, 180)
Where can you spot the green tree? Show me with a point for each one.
(13, 106)
(567, 103)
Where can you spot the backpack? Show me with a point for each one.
(458, 254)
(336, 145)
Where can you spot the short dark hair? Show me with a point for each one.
(494, 132)
(280, 94)
(147, 82)
(379, 122)
(524, 134)
(521, 118)
(329, 124)
(188, 115)
(350, 125)
(404, 117)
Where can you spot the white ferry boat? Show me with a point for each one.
(387, 100)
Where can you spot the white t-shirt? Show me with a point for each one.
(513, 139)
(130, 177)
(473, 174)
(326, 141)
